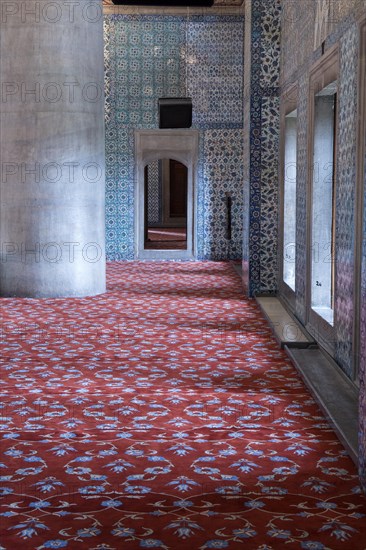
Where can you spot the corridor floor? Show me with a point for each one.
(162, 414)
(166, 238)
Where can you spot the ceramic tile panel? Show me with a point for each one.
(148, 57)
(362, 372)
(345, 199)
(154, 196)
(362, 365)
(223, 176)
(271, 35)
(254, 160)
(301, 197)
(215, 71)
(261, 243)
(246, 143)
(200, 199)
(269, 194)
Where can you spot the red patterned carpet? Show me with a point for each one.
(163, 415)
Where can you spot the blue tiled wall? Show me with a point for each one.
(261, 153)
(362, 374)
(345, 199)
(148, 57)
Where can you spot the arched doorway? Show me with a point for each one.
(166, 162)
(166, 205)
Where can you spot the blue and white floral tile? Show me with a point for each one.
(345, 197)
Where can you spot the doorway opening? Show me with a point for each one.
(165, 198)
(165, 193)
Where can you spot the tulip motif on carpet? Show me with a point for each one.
(162, 414)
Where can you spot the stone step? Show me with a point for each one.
(286, 328)
(335, 394)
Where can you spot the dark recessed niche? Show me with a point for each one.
(175, 112)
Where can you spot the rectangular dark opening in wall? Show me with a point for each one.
(175, 112)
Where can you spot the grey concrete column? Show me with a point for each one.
(52, 229)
